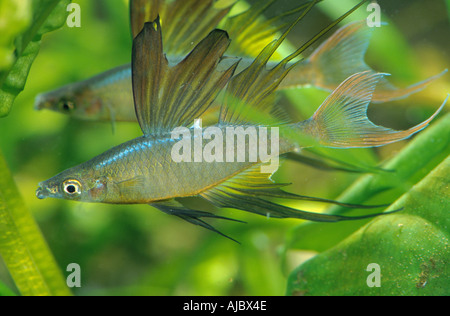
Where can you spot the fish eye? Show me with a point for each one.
(72, 187)
(67, 106)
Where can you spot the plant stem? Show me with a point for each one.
(22, 246)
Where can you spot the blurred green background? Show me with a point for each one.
(137, 250)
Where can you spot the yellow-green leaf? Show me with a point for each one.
(22, 25)
(22, 245)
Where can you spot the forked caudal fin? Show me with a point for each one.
(341, 56)
(341, 121)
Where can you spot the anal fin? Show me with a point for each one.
(248, 191)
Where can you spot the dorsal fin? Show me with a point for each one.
(142, 11)
(185, 22)
(166, 97)
(252, 90)
(254, 29)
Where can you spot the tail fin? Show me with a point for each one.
(342, 122)
(386, 91)
(343, 55)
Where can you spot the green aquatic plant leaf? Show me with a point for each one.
(15, 17)
(22, 40)
(406, 253)
(22, 245)
(418, 158)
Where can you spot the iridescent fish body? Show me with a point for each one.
(168, 97)
(106, 97)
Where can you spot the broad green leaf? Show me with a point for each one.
(411, 249)
(43, 16)
(22, 245)
(415, 160)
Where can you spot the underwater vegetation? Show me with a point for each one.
(131, 249)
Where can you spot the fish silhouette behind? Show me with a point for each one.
(106, 97)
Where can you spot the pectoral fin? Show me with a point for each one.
(173, 207)
(131, 187)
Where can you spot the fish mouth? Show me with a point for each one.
(40, 102)
(41, 193)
